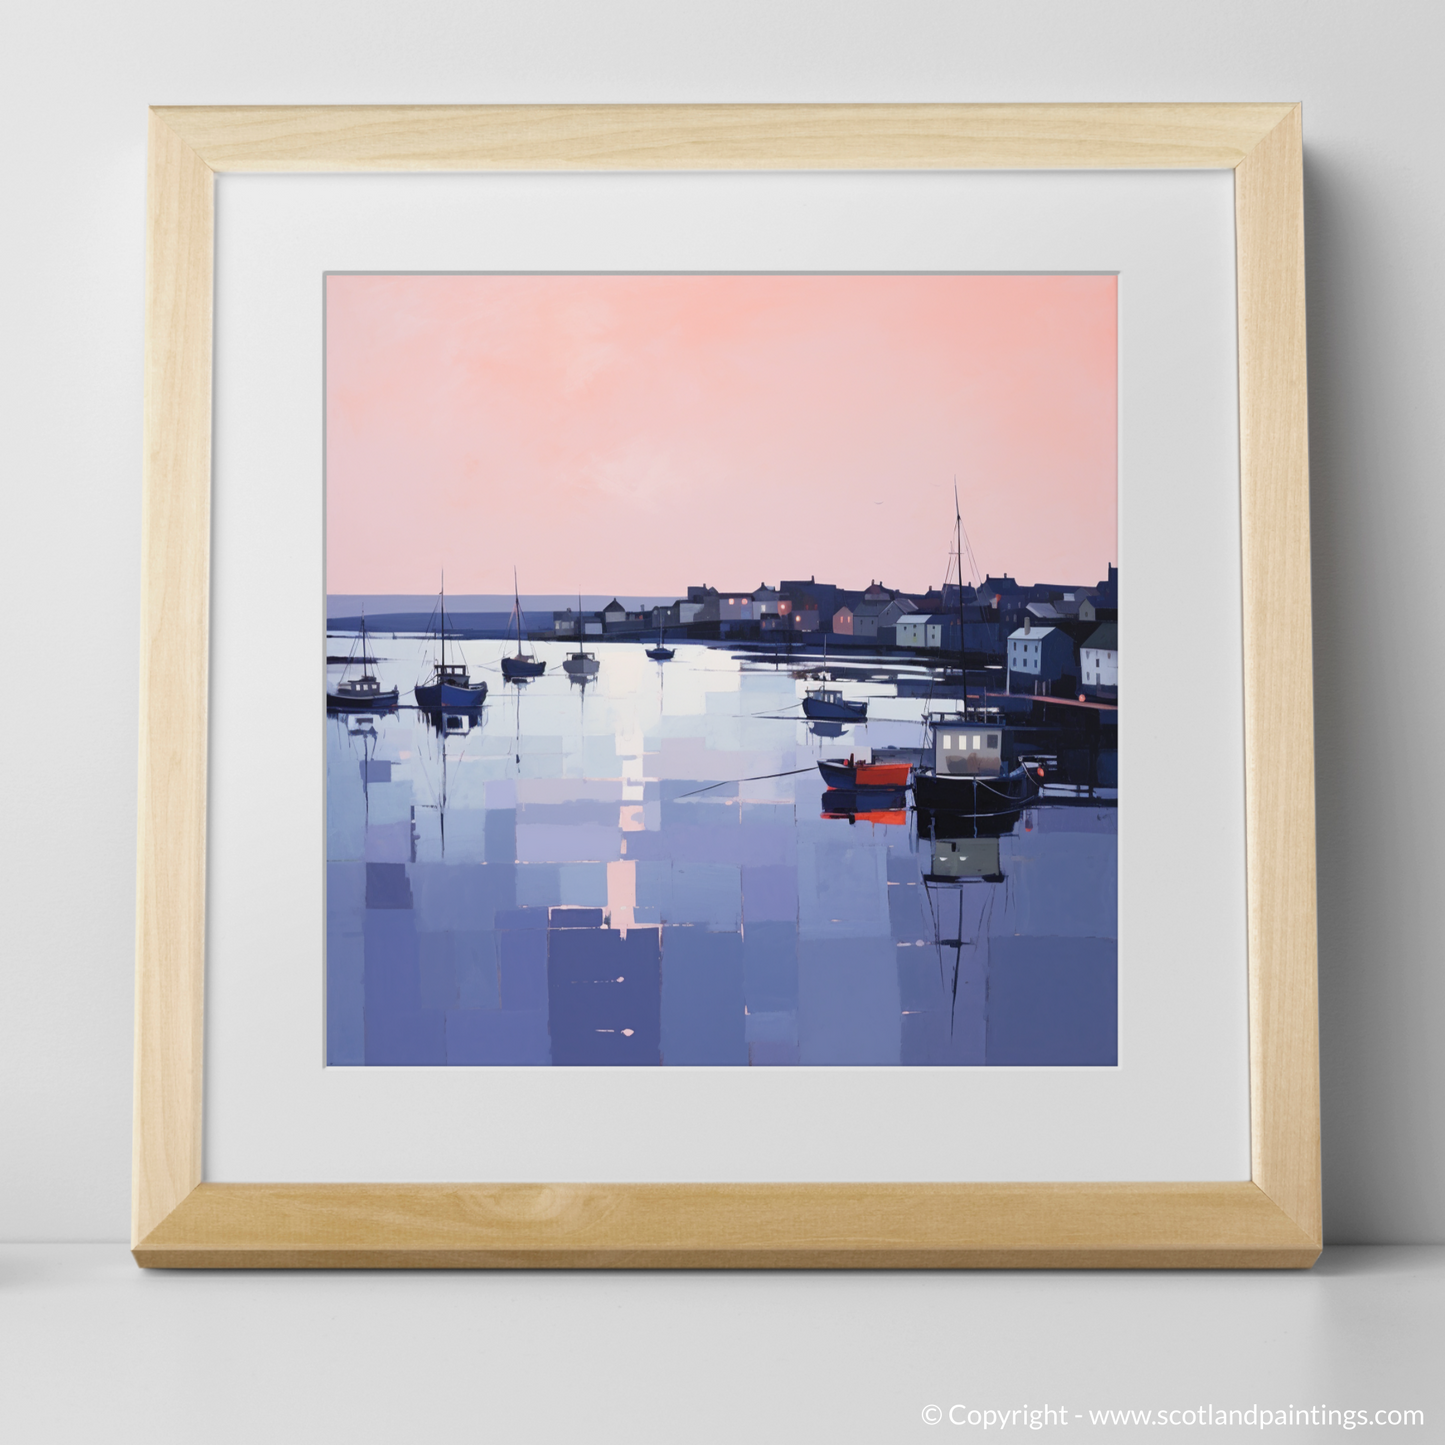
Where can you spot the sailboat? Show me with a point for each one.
(362, 694)
(580, 665)
(661, 653)
(451, 685)
(524, 664)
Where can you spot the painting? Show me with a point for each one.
(721, 670)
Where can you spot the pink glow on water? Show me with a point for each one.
(640, 433)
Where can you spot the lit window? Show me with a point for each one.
(947, 741)
(977, 742)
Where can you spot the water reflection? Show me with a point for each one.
(645, 867)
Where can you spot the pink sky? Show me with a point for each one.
(635, 434)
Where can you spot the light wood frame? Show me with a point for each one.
(1273, 1220)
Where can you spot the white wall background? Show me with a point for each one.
(75, 78)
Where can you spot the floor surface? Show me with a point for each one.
(94, 1349)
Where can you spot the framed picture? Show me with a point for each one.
(729, 844)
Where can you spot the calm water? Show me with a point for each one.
(557, 882)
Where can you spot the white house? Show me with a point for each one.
(1099, 661)
(921, 629)
(1039, 654)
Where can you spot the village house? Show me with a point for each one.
(877, 616)
(1038, 656)
(573, 624)
(1102, 603)
(913, 630)
(736, 607)
(1099, 662)
(937, 630)
(766, 599)
(813, 603)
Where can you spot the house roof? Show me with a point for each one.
(1032, 633)
(614, 606)
(1105, 637)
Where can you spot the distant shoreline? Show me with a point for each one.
(350, 604)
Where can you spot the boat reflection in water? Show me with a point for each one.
(964, 860)
(453, 722)
(871, 805)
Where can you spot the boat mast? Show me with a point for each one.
(517, 603)
(958, 548)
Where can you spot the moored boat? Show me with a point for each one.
(523, 664)
(829, 704)
(580, 664)
(661, 652)
(850, 774)
(364, 693)
(451, 686)
(969, 793)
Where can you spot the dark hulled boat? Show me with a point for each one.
(970, 793)
(451, 686)
(971, 771)
(661, 652)
(830, 705)
(364, 693)
(523, 664)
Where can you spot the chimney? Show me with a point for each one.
(1028, 623)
